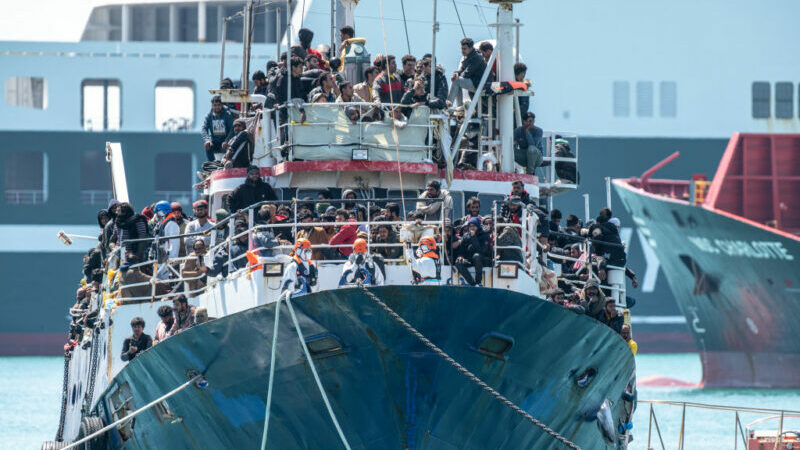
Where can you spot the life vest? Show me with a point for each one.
(306, 278)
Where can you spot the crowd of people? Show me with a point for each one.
(574, 275)
(385, 92)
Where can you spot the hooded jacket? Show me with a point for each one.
(217, 128)
(474, 243)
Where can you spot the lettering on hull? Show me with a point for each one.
(747, 249)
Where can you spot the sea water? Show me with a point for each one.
(30, 398)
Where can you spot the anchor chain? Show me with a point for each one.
(95, 356)
(464, 371)
(64, 396)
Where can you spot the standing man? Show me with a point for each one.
(138, 342)
(184, 315)
(217, 128)
(253, 190)
(408, 71)
(469, 73)
(388, 85)
(200, 223)
(364, 89)
(520, 70)
(433, 210)
(259, 83)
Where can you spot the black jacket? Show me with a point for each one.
(472, 67)
(277, 90)
(143, 343)
(241, 150)
(441, 84)
(249, 193)
(607, 232)
(472, 244)
(409, 99)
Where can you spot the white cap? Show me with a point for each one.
(615, 221)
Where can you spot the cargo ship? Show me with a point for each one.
(729, 248)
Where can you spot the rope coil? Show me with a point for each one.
(464, 371)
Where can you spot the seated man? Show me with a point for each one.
(136, 344)
(528, 144)
(300, 276)
(361, 267)
(469, 73)
(184, 315)
(239, 149)
(433, 210)
(416, 97)
(217, 128)
(472, 251)
(425, 266)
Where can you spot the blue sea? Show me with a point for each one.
(30, 396)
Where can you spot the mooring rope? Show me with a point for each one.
(464, 371)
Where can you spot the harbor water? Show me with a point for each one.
(30, 395)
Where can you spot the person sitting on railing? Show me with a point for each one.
(326, 86)
(388, 235)
(300, 276)
(433, 210)
(239, 149)
(184, 315)
(347, 93)
(528, 144)
(167, 320)
(253, 190)
(472, 250)
(610, 316)
(200, 223)
(138, 342)
(469, 73)
(315, 235)
(416, 97)
(345, 234)
(425, 265)
(388, 86)
(364, 89)
(238, 247)
(592, 298)
(361, 267)
(217, 128)
(195, 267)
(440, 81)
(509, 237)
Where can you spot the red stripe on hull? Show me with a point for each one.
(32, 344)
(764, 370)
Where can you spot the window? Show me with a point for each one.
(95, 179)
(174, 175)
(668, 104)
(100, 105)
(174, 105)
(622, 99)
(761, 100)
(26, 178)
(784, 104)
(28, 92)
(644, 98)
(487, 201)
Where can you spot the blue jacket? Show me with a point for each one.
(217, 128)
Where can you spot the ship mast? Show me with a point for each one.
(505, 72)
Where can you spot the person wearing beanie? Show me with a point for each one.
(239, 149)
(252, 191)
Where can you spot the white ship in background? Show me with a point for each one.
(635, 80)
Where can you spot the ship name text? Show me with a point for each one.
(748, 249)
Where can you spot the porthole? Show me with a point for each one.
(586, 378)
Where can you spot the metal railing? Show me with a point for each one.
(25, 196)
(739, 431)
